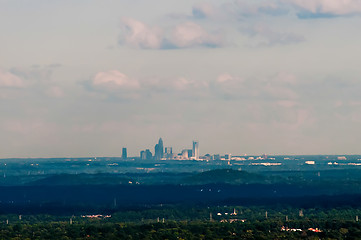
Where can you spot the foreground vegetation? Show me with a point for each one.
(267, 229)
(197, 223)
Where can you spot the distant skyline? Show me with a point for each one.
(86, 78)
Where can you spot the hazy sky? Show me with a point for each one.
(87, 77)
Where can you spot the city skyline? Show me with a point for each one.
(81, 78)
(166, 153)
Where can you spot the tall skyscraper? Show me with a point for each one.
(124, 153)
(159, 150)
(195, 152)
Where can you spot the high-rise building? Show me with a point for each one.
(168, 153)
(142, 155)
(195, 152)
(124, 153)
(159, 150)
(148, 154)
(190, 153)
(184, 154)
(168, 150)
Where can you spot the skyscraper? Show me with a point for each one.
(159, 150)
(146, 155)
(195, 152)
(142, 155)
(124, 153)
(168, 152)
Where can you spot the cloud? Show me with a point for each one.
(230, 87)
(114, 84)
(182, 84)
(241, 9)
(39, 80)
(326, 8)
(114, 79)
(303, 8)
(203, 10)
(268, 37)
(35, 74)
(189, 34)
(10, 80)
(140, 35)
(281, 87)
(184, 35)
(226, 77)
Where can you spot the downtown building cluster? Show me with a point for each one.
(166, 153)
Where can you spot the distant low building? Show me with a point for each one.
(310, 162)
(216, 157)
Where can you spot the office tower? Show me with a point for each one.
(124, 153)
(168, 152)
(184, 154)
(159, 150)
(142, 155)
(148, 154)
(190, 153)
(195, 152)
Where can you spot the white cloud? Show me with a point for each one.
(184, 35)
(140, 35)
(303, 8)
(10, 80)
(189, 34)
(114, 79)
(241, 9)
(327, 7)
(185, 84)
(182, 84)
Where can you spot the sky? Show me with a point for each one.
(86, 78)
